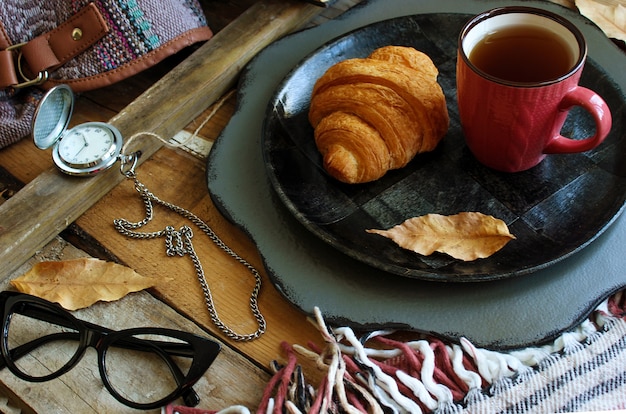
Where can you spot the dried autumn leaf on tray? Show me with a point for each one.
(609, 15)
(466, 236)
(79, 283)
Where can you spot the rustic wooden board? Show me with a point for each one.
(231, 379)
(178, 177)
(267, 20)
(54, 201)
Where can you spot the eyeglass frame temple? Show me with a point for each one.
(53, 313)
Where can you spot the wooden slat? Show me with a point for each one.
(177, 177)
(53, 201)
(231, 379)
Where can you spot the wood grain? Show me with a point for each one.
(178, 100)
(178, 177)
(54, 201)
(230, 380)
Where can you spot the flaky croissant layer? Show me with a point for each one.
(375, 114)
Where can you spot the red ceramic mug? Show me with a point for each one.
(518, 70)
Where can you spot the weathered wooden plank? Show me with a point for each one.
(54, 201)
(179, 178)
(231, 379)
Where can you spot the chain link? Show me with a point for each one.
(178, 243)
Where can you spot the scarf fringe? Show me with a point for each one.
(378, 374)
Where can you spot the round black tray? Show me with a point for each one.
(553, 209)
(309, 272)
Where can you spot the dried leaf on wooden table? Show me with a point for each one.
(79, 283)
(465, 236)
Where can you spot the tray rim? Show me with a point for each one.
(516, 324)
(332, 239)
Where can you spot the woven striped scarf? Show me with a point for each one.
(582, 370)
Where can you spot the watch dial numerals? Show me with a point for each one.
(87, 145)
(65, 153)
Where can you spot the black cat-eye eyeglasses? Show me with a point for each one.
(144, 368)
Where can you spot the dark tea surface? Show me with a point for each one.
(523, 54)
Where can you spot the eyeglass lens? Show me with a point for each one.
(54, 344)
(144, 376)
(138, 367)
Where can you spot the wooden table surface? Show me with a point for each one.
(240, 373)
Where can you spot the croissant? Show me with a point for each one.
(375, 114)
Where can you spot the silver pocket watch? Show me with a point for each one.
(83, 150)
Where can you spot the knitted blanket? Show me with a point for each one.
(582, 370)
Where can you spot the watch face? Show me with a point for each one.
(86, 145)
(88, 149)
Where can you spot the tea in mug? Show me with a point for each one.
(525, 54)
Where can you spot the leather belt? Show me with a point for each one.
(29, 63)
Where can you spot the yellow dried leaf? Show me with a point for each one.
(466, 236)
(79, 283)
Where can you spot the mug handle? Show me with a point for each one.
(595, 105)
